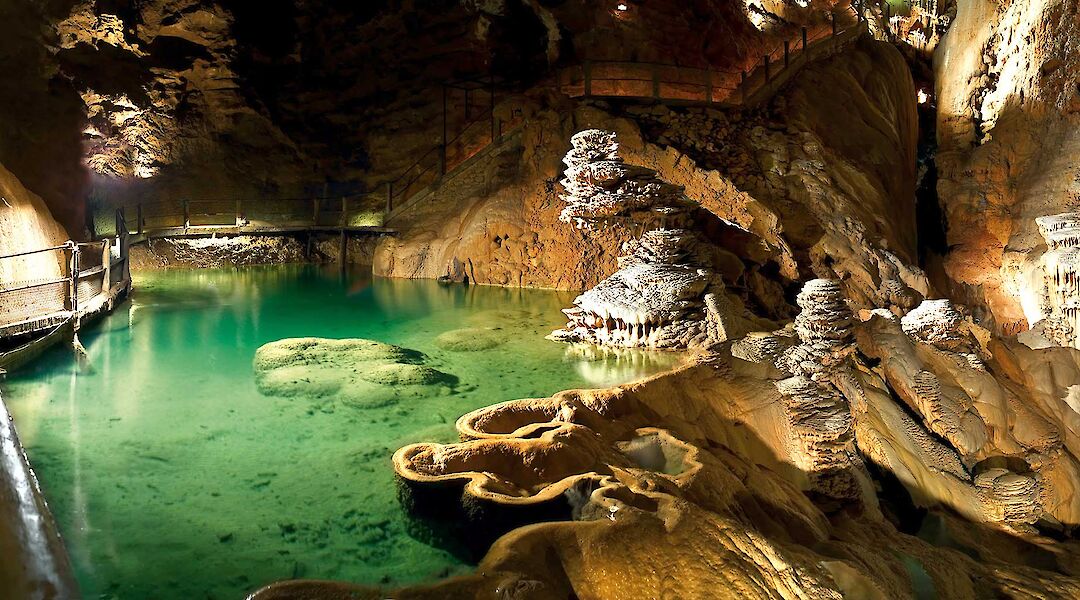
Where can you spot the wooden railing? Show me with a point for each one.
(85, 270)
(250, 215)
(676, 83)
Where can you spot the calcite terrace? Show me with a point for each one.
(665, 293)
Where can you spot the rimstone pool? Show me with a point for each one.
(172, 476)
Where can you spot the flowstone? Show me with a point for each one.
(355, 372)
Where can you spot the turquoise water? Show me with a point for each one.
(171, 476)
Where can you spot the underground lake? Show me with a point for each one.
(172, 475)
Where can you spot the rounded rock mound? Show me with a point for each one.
(355, 372)
(470, 339)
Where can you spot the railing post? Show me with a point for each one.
(139, 225)
(389, 196)
(343, 250)
(708, 86)
(832, 18)
(742, 84)
(656, 82)
(187, 216)
(106, 261)
(804, 38)
(768, 75)
(122, 243)
(74, 277)
(787, 53)
(315, 212)
(344, 211)
(588, 78)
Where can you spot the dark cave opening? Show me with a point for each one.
(930, 220)
(896, 502)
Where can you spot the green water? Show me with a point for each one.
(172, 477)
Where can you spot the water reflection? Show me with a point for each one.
(605, 367)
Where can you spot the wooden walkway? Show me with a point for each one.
(693, 86)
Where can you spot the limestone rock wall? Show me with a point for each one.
(1007, 129)
(26, 224)
(823, 192)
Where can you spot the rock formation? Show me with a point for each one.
(1006, 127)
(666, 293)
(682, 473)
(1054, 311)
(26, 225)
(356, 373)
(892, 439)
(818, 414)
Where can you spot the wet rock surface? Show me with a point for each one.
(356, 373)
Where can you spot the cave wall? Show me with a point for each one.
(1007, 132)
(829, 192)
(41, 115)
(26, 224)
(162, 100)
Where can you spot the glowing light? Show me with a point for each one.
(802, 3)
(923, 97)
(144, 172)
(622, 7)
(756, 14)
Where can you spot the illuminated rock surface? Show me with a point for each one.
(667, 292)
(25, 225)
(875, 271)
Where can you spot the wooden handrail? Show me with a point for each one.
(35, 314)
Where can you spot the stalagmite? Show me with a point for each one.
(665, 293)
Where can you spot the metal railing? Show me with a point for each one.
(260, 214)
(79, 274)
(677, 83)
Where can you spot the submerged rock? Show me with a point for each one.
(471, 339)
(356, 372)
(406, 374)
